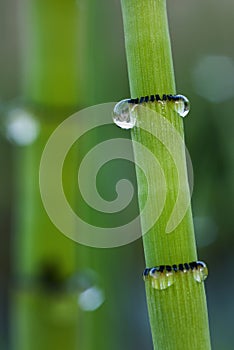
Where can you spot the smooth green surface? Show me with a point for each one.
(51, 86)
(50, 52)
(147, 47)
(40, 310)
(104, 77)
(178, 315)
(44, 316)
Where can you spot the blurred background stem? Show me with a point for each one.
(63, 70)
(104, 80)
(178, 315)
(44, 314)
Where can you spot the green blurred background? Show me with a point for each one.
(33, 284)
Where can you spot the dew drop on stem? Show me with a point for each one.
(123, 115)
(201, 272)
(161, 280)
(181, 105)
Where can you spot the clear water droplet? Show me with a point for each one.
(123, 115)
(146, 274)
(21, 128)
(162, 103)
(161, 280)
(201, 272)
(91, 299)
(181, 105)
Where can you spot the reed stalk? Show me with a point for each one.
(178, 314)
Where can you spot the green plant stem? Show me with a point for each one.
(50, 52)
(44, 316)
(50, 82)
(104, 328)
(178, 315)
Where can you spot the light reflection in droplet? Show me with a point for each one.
(160, 280)
(200, 274)
(182, 105)
(123, 115)
(21, 127)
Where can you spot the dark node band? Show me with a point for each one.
(146, 272)
(153, 98)
(181, 267)
(194, 265)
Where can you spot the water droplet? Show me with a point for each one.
(181, 105)
(162, 104)
(161, 280)
(91, 299)
(200, 273)
(146, 274)
(21, 127)
(123, 115)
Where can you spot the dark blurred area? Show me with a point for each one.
(201, 34)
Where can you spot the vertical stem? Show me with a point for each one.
(104, 81)
(51, 52)
(148, 46)
(44, 315)
(50, 66)
(178, 315)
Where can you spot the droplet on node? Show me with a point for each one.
(123, 115)
(145, 274)
(181, 105)
(162, 104)
(161, 280)
(200, 273)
